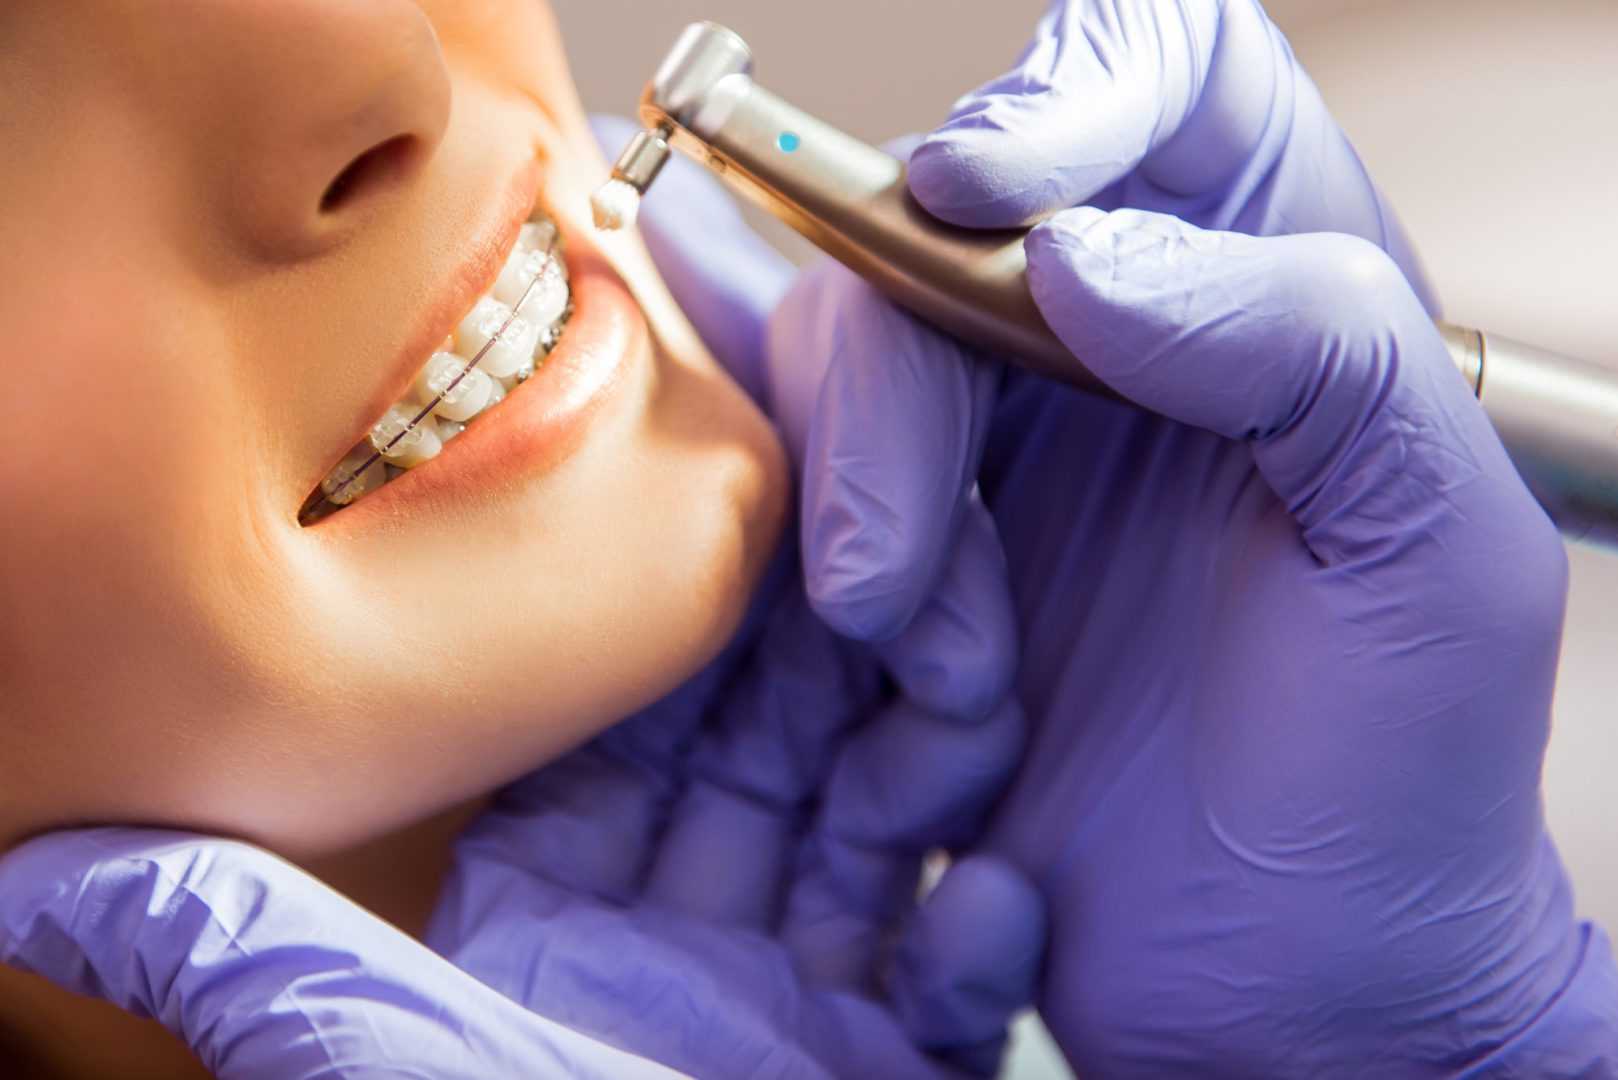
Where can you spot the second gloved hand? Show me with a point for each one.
(1289, 652)
(1289, 656)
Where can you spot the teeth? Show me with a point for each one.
(497, 393)
(346, 483)
(522, 266)
(548, 297)
(401, 444)
(516, 342)
(540, 277)
(465, 393)
(534, 275)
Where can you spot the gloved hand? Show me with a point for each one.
(717, 884)
(1288, 651)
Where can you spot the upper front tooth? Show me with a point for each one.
(516, 341)
(521, 268)
(401, 444)
(537, 281)
(461, 393)
(547, 297)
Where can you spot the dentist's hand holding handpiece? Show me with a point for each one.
(1245, 693)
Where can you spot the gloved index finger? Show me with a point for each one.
(1101, 84)
(1195, 108)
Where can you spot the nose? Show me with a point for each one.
(323, 111)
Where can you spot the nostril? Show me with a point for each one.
(376, 168)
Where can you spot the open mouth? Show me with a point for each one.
(501, 342)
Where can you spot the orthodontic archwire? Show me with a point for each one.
(320, 497)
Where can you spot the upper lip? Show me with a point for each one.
(487, 253)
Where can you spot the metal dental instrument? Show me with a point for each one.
(1558, 417)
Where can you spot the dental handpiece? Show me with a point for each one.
(1556, 416)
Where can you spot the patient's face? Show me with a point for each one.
(231, 234)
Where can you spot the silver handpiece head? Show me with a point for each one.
(686, 83)
(695, 69)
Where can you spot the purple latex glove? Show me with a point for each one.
(1289, 654)
(1290, 663)
(264, 971)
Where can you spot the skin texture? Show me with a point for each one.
(202, 333)
(201, 341)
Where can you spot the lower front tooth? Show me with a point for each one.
(461, 393)
(515, 343)
(401, 444)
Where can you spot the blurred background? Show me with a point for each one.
(1490, 123)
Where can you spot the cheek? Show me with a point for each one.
(128, 539)
(113, 463)
(104, 368)
(331, 687)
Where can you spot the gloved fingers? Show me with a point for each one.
(886, 420)
(912, 780)
(968, 961)
(1102, 85)
(1194, 107)
(755, 770)
(842, 908)
(724, 276)
(907, 782)
(1313, 347)
(722, 857)
(588, 822)
(262, 970)
(958, 657)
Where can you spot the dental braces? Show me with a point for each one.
(321, 497)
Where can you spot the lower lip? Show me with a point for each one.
(543, 420)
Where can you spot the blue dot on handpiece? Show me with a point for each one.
(788, 141)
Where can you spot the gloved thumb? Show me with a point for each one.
(969, 960)
(1185, 86)
(1314, 348)
(263, 971)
